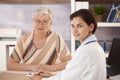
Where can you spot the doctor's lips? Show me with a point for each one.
(76, 34)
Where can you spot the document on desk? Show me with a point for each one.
(13, 75)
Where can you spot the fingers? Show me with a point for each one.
(44, 68)
(45, 74)
(36, 77)
(36, 68)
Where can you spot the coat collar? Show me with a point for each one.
(91, 38)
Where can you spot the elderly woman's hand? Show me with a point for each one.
(39, 76)
(36, 77)
(46, 74)
(40, 67)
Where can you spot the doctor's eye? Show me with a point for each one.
(72, 26)
(79, 25)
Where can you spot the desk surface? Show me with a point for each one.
(13, 75)
(17, 75)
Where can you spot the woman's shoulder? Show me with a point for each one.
(26, 35)
(56, 33)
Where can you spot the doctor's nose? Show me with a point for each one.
(75, 30)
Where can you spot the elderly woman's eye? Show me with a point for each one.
(45, 21)
(37, 21)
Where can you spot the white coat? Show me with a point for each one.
(88, 63)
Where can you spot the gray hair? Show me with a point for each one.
(43, 10)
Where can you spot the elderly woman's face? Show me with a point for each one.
(80, 29)
(42, 23)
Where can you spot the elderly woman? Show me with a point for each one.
(41, 49)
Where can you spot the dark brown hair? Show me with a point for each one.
(87, 16)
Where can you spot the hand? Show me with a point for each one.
(40, 67)
(36, 77)
(45, 74)
(68, 57)
(36, 68)
(45, 68)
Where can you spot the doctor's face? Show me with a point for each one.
(80, 29)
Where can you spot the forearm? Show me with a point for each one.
(19, 67)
